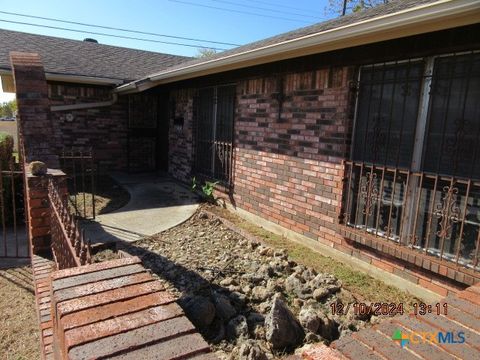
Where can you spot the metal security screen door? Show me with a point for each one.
(214, 133)
(142, 132)
(414, 178)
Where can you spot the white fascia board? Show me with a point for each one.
(76, 79)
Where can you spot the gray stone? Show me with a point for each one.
(260, 293)
(309, 319)
(228, 281)
(328, 328)
(283, 330)
(265, 271)
(255, 317)
(237, 328)
(200, 311)
(312, 338)
(250, 350)
(295, 284)
(223, 307)
(320, 293)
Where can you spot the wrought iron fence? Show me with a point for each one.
(435, 214)
(80, 167)
(214, 133)
(69, 246)
(13, 237)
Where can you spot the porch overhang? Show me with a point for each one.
(441, 15)
(7, 79)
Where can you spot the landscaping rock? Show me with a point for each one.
(260, 293)
(223, 307)
(283, 330)
(237, 328)
(250, 350)
(320, 293)
(200, 311)
(227, 286)
(309, 319)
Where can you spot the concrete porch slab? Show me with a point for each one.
(157, 203)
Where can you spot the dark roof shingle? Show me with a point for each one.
(73, 57)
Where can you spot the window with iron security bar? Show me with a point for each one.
(214, 132)
(414, 178)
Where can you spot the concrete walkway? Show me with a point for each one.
(157, 203)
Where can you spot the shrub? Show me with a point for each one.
(6, 154)
(6, 149)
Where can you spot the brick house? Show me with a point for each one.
(357, 136)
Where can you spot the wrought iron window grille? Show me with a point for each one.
(413, 178)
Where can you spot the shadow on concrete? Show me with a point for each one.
(157, 203)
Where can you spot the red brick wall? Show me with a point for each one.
(104, 128)
(181, 137)
(288, 163)
(291, 138)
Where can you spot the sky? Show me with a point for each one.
(228, 21)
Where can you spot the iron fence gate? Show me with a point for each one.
(13, 239)
(81, 170)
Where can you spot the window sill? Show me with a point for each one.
(420, 259)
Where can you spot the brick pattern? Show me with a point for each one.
(35, 126)
(375, 343)
(441, 277)
(291, 138)
(103, 128)
(37, 209)
(180, 160)
(42, 268)
(116, 309)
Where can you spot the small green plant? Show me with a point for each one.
(194, 184)
(207, 189)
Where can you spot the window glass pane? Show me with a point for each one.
(387, 113)
(452, 143)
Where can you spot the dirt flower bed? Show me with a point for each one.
(250, 301)
(109, 196)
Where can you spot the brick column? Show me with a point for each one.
(38, 208)
(34, 122)
(36, 144)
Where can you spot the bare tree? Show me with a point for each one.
(341, 7)
(205, 53)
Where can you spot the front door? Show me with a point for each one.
(142, 132)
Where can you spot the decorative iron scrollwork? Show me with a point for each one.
(457, 148)
(220, 149)
(447, 210)
(369, 192)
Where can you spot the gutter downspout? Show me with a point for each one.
(85, 105)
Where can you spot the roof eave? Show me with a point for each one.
(76, 79)
(430, 17)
